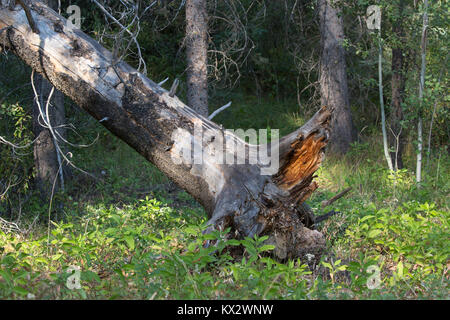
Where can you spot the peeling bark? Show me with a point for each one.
(161, 128)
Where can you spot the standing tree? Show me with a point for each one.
(398, 81)
(333, 76)
(196, 52)
(381, 97)
(421, 88)
(47, 159)
(161, 128)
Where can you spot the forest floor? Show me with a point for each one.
(131, 234)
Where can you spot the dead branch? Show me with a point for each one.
(336, 197)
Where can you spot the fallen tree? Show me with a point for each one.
(237, 190)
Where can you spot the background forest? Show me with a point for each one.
(134, 234)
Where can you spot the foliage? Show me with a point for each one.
(133, 234)
(16, 166)
(152, 247)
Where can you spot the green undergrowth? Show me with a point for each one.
(126, 232)
(150, 251)
(389, 241)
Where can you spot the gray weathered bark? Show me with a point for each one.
(196, 54)
(160, 127)
(333, 76)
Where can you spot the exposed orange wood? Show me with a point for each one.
(302, 163)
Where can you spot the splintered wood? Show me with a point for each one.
(304, 159)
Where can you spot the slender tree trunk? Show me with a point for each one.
(383, 115)
(253, 189)
(396, 136)
(46, 159)
(421, 88)
(196, 52)
(398, 80)
(333, 76)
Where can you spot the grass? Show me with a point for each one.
(129, 234)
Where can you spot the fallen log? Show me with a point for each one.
(237, 186)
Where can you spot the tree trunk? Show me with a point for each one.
(387, 155)
(398, 80)
(45, 154)
(250, 194)
(333, 77)
(46, 159)
(196, 54)
(423, 51)
(397, 141)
